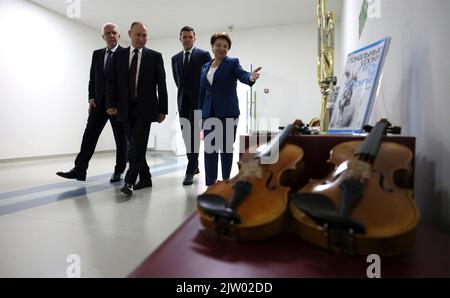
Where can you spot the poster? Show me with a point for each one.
(359, 86)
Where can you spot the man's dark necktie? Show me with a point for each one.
(108, 62)
(185, 63)
(132, 74)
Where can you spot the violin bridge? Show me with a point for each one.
(251, 168)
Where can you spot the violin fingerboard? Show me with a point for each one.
(369, 148)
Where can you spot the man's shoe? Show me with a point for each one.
(143, 183)
(127, 189)
(116, 177)
(72, 174)
(188, 179)
(197, 171)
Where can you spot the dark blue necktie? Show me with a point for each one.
(185, 63)
(108, 62)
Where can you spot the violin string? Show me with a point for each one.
(384, 104)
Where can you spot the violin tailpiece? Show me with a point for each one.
(341, 240)
(241, 190)
(224, 227)
(351, 193)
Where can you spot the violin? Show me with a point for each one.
(360, 208)
(253, 204)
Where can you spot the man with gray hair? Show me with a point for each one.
(100, 66)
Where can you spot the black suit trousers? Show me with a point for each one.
(94, 127)
(190, 129)
(138, 129)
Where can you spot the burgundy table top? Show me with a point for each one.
(193, 252)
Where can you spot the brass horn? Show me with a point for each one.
(325, 60)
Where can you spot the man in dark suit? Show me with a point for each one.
(137, 93)
(100, 66)
(186, 66)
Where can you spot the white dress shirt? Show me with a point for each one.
(210, 74)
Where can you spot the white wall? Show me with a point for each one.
(44, 73)
(287, 55)
(415, 88)
(45, 70)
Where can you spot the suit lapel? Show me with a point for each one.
(219, 70)
(127, 51)
(180, 64)
(143, 60)
(101, 60)
(124, 62)
(207, 84)
(193, 55)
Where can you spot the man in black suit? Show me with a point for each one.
(186, 66)
(137, 93)
(100, 66)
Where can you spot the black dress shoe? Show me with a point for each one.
(72, 174)
(188, 179)
(127, 189)
(197, 171)
(116, 177)
(143, 183)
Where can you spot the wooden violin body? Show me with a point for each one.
(360, 213)
(252, 205)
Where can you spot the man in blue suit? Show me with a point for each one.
(137, 93)
(220, 106)
(186, 67)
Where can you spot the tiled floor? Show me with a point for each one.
(44, 218)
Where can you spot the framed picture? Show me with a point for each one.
(359, 87)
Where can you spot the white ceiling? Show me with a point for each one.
(166, 17)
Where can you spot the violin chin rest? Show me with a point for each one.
(216, 206)
(322, 210)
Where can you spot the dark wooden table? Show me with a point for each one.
(192, 251)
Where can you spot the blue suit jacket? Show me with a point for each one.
(189, 85)
(220, 100)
